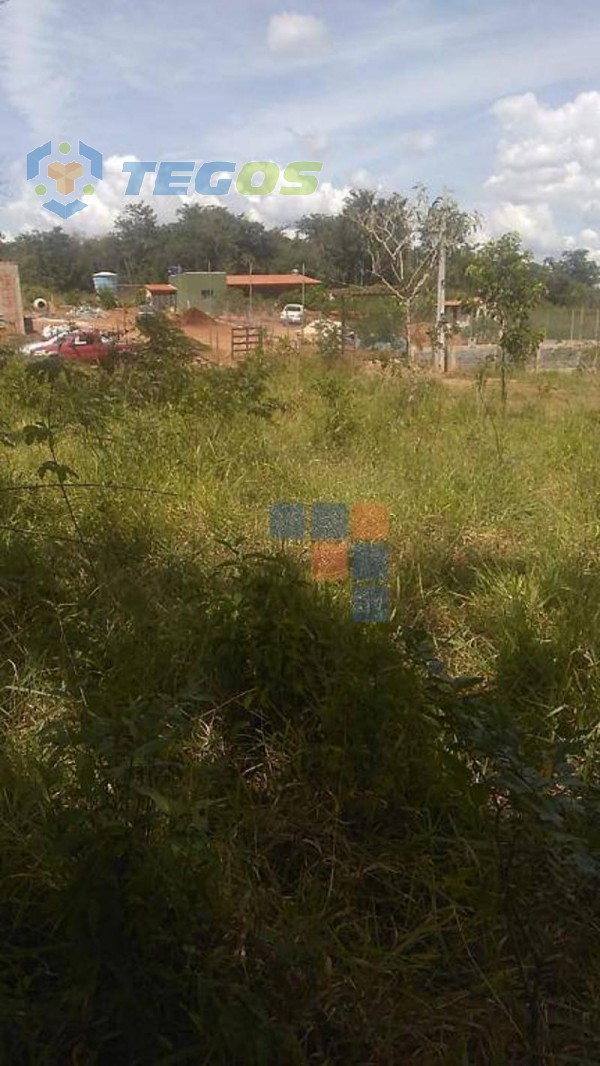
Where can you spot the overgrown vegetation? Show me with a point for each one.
(237, 827)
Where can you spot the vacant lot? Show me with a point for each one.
(237, 827)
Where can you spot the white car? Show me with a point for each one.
(292, 315)
(39, 347)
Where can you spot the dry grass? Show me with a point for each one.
(238, 828)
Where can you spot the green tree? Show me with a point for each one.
(572, 279)
(203, 238)
(267, 249)
(50, 259)
(138, 239)
(506, 278)
(332, 247)
(458, 282)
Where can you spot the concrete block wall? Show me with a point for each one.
(11, 303)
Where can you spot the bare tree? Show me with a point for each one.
(406, 237)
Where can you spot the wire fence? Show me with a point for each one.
(574, 324)
(568, 323)
(378, 320)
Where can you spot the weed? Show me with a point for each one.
(237, 827)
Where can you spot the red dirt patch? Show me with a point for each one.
(195, 317)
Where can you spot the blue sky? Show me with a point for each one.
(497, 102)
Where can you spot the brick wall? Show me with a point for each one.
(11, 304)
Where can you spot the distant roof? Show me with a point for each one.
(270, 279)
(160, 288)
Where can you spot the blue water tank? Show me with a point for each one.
(105, 279)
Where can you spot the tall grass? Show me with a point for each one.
(237, 827)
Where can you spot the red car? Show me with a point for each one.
(81, 346)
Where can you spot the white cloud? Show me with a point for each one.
(477, 70)
(546, 183)
(315, 141)
(25, 212)
(535, 223)
(35, 80)
(419, 141)
(287, 210)
(293, 34)
(365, 179)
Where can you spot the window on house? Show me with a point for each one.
(207, 292)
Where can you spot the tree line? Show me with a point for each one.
(338, 249)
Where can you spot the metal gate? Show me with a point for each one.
(245, 340)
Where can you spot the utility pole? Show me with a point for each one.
(250, 292)
(441, 353)
(303, 312)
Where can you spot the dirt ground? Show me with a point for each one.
(121, 320)
(216, 332)
(196, 324)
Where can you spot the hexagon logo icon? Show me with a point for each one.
(65, 174)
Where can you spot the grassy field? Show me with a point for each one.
(237, 827)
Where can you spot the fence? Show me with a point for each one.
(568, 323)
(245, 340)
(551, 356)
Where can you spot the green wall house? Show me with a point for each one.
(200, 288)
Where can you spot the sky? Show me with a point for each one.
(497, 103)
